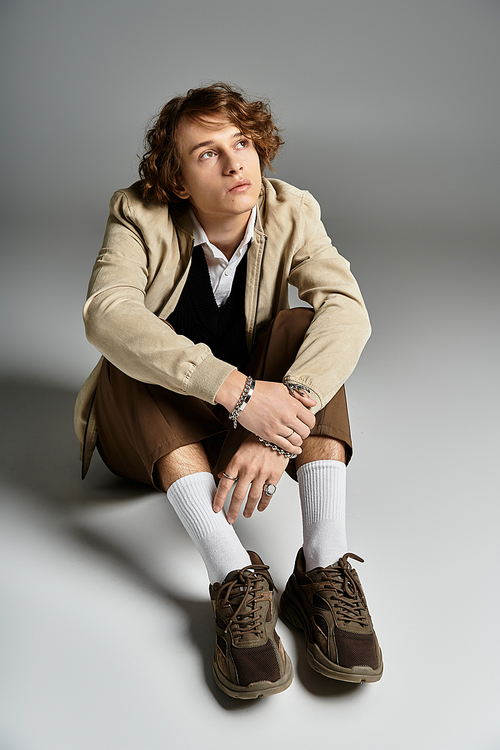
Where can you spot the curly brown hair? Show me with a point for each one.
(160, 167)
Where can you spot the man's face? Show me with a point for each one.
(221, 174)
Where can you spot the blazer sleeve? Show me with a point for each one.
(131, 336)
(340, 327)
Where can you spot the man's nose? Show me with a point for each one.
(233, 163)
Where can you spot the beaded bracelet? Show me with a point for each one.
(276, 448)
(243, 400)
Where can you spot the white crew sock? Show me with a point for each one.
(322, 489)
(191, 497)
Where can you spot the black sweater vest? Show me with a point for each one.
(198, 317)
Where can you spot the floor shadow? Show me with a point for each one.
(199, 613)
(39, 451)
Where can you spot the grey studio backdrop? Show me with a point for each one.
(390, 113)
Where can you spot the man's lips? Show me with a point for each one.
(240, 187)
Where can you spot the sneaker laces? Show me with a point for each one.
(245, 591)
(339, 579)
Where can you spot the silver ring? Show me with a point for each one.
(269, 489)
(290, 435)
(233, 479)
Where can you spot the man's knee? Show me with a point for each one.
(297, 320)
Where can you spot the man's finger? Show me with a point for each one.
(306, 417)
(224, 487)
(264, 502)
(304, 399)
(285, 445)
(304, 402)
(237, 501)
(253, 498)
(295, 438)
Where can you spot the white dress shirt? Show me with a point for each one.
(221, 269)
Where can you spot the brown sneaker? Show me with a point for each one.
(329, 605)
(249, 659)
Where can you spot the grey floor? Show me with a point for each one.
(390, 112)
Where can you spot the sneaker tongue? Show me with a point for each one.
(249, 577)
(252, 638)
(247, 611)
(248, 639)
(318, 575)
(232, 576)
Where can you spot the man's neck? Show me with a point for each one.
(226, 233)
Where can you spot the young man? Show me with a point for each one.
(207, 375)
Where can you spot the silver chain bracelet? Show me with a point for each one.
(302, 389)
(243, 400)
(276, 448)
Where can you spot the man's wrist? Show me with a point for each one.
(230, 390)
(243, 400)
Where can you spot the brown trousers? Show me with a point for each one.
(138, 423)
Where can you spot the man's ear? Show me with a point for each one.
(181, 192)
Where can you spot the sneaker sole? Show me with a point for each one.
(316, 659)
(256, 689)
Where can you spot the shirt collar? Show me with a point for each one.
(200, 237)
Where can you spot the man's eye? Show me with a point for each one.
(207, 155)
(242, 144)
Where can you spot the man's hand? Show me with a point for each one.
(272, 413)
(254, 465)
